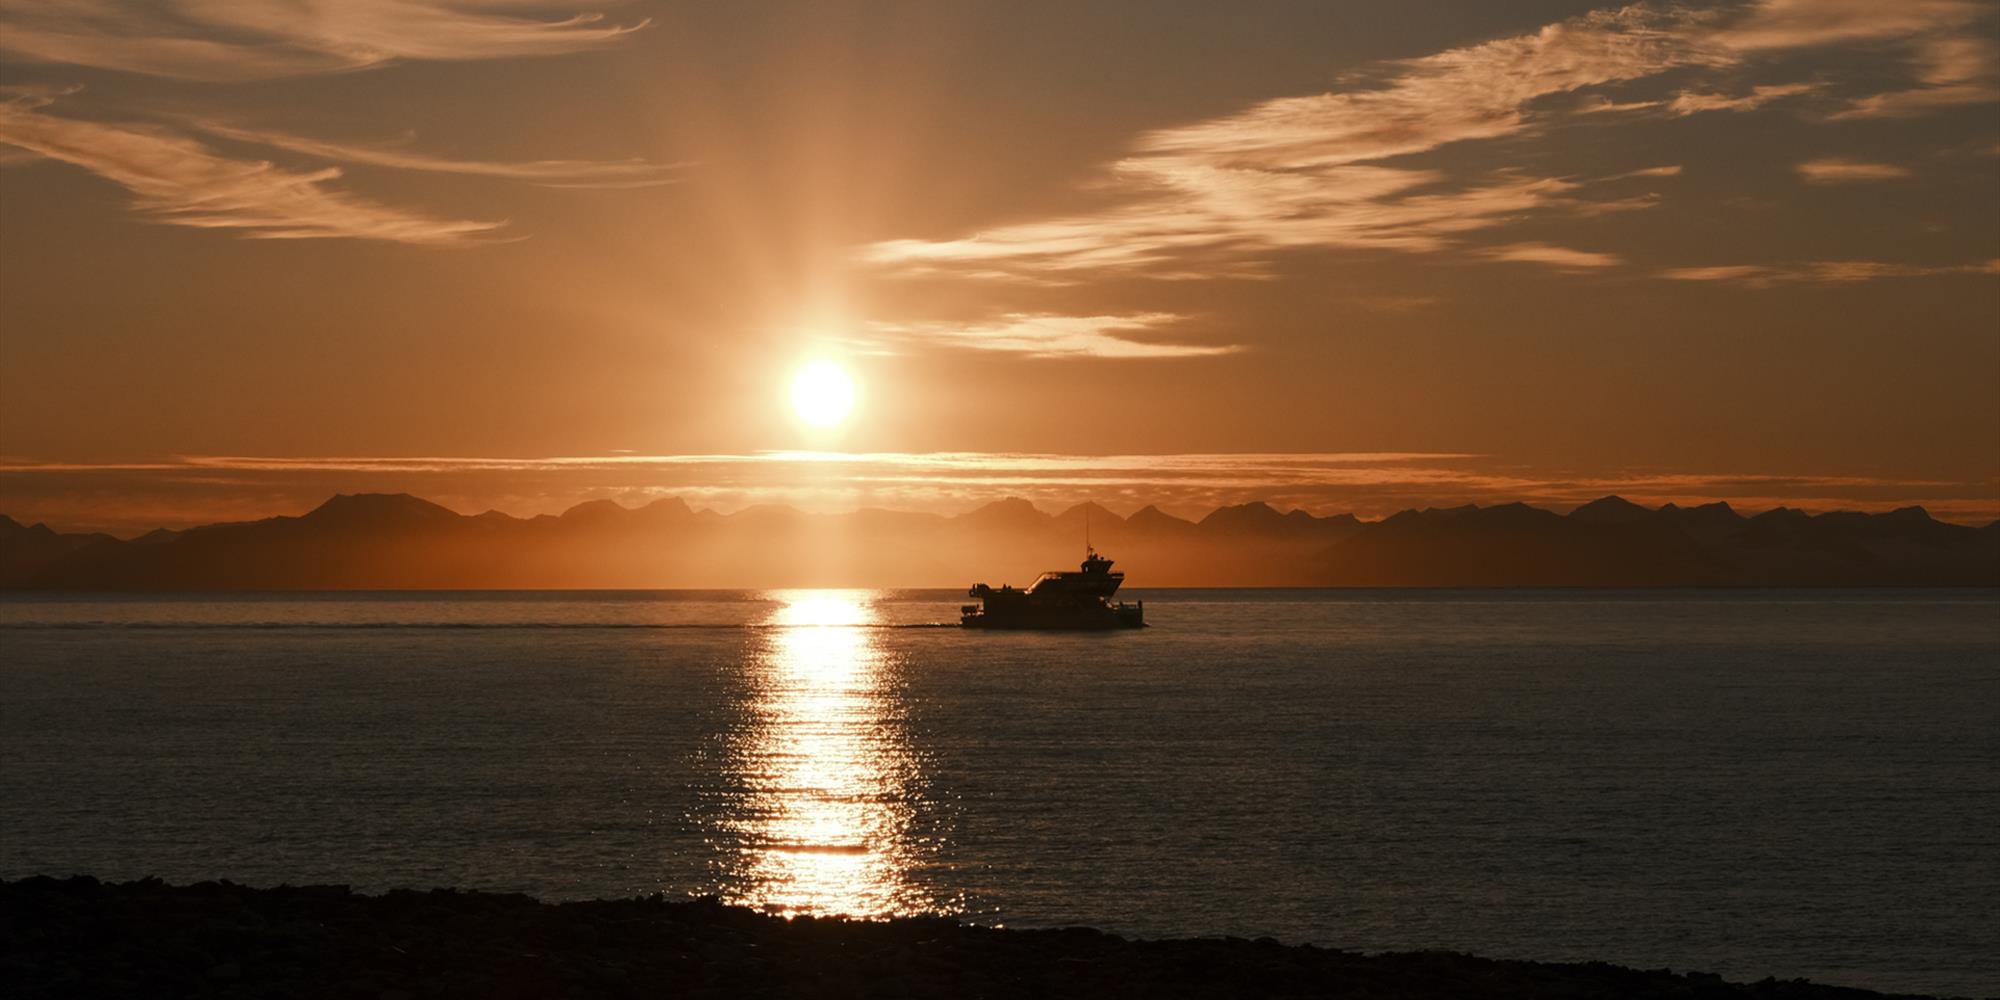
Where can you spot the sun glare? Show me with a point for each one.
(822, 394)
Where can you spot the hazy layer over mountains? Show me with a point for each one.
(396, 541)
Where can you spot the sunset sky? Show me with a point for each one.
(511, 254)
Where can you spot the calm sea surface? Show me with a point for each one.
(1753, 783)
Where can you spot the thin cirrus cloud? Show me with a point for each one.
(919, 478)
(1693, 102)
(178, 181)
(1791, 24)
(1669, 170)
(1228, 194)
(550, 173)
(223, 41)
(1951, 72)
(1303, 172)
(1050, 335)
(1561, 258)
(1841, 170)
(1825, 272)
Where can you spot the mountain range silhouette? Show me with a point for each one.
(398, 541)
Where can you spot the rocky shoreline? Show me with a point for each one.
(81, 937)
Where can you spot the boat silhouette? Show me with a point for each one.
(1059, 599)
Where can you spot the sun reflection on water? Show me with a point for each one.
(824, 824)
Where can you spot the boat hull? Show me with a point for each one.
(1105, 618)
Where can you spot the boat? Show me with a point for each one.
(1060, 599)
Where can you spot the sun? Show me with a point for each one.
(822, 394)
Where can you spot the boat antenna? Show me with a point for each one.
(1087, 550)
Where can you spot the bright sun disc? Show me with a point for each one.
(822, 394)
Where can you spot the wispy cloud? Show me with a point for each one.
(179, 181)
(1233, 212)
(1560, 258)
(1049, 335)
(1829, 272)
(1304, 172)
(1228, 195)
(230, 40)
(551, 173)
(1954, 65)
(1840, 170)
(1791, 24)
(15, 156)
(1670, 170)
(1691, 102)
(941, 462)
(1952, 72)
(1598, 104)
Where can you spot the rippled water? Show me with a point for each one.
(1756, 783)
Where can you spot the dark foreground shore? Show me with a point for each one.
(81, 937)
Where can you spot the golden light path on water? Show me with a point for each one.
(825, 822)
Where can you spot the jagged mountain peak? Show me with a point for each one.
(1152, 518)
(668, 505)
(1011, 510)
(592, 510)
(1256, 512)
(1098, 514)
(360, 508)
(1612, 509)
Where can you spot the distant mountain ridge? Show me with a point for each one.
(398, 541)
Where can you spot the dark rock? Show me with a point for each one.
(77, 937)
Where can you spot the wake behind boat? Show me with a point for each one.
(1060, 599)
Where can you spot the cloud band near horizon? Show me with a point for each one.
(132, 497)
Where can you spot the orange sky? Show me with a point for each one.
(1347, 257)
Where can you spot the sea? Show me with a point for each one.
(1753, 783)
